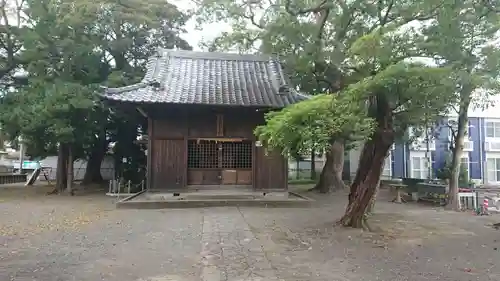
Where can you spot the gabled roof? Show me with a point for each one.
(187, 77)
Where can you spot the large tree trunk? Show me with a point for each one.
(69, 180)
(61, 172)
(331, 174)
(371, 205)
(371, 163)
(297, 169)
(367, 178)
(93, 167)
(93, 170)
(313, 164)
(453, 202)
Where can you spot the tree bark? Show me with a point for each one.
(70, 161)
(453, 203)
(297, 169)
(371, 205)
(93, 170)
(313, 164)
(331, 174)
(367, 178)
(371, 163)
(93, 167)
(61, 175)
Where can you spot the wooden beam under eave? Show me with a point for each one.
(142, 112)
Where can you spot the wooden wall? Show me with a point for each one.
(171, 127)
(271, 172)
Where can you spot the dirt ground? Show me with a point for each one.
(57, 237)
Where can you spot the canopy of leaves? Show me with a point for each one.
(315, 124)
(464, 37)
(58, 112)
(416, 93)
(312, 38)
(70, 47)
(411, 90)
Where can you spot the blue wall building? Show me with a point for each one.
(481, 154)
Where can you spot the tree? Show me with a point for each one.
(462, 37)
(397, 95)
(70, 48)
(312, 40)
(11, 13)
(126, 33)
(315, 124)
(444, 172)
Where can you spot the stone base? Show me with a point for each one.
(157, 200)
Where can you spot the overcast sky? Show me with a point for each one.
(193, 36)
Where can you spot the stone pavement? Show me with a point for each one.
(230, 251)
(64, 239)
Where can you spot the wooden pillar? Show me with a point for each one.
(149, 167)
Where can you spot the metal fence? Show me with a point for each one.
(124, 188)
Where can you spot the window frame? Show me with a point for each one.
(495, 171)
(465, 164)
(423, 167)
(387, 166)
(493, 125)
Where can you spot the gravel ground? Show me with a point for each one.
(51, 238)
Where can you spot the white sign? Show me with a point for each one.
(258, 144)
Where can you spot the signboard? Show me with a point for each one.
(28, 165)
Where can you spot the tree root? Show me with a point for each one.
(347, 222)
(54, 191)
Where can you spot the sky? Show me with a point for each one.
(209, 31)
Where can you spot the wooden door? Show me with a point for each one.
(168, 167)
(270, 171)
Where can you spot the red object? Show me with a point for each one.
(485, 207)
(464, 190)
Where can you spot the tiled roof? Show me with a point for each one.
(187, 77)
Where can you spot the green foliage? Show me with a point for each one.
(315, 51)
(70, 47)
(444, 173)
(45, 114)
(316, 123)
(358, 43)
(463, 37)
(412, 91)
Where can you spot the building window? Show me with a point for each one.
(492, 129)
(419, 167)
(464, 165)
(387, 172)
(493, 169)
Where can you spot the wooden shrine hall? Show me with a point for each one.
(202, 109)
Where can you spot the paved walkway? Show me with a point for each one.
(88, 240)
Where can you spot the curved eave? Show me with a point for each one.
(122, 95)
